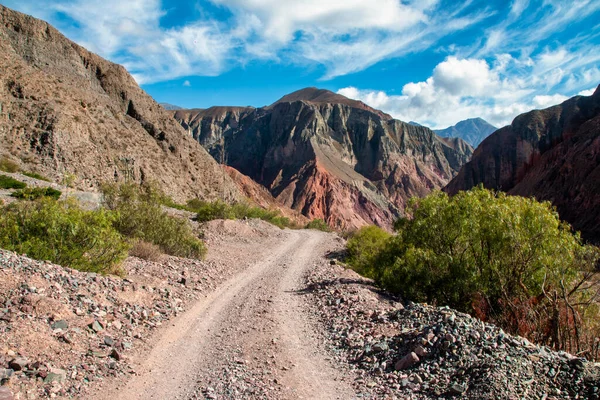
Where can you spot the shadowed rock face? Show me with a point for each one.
(66, 110)
(328, 156)
(552, 154)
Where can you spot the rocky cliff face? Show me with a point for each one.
(552, 154)
(64, 110)
(328, 156)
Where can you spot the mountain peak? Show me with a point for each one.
(315, 95)
(472, 130)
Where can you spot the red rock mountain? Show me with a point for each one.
(328, 156)
(552, 154)
(66, 110)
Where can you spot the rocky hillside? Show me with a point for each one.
(328, 156)
(472, 131)
(64, 110)
(552, 154)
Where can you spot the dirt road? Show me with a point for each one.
(250, 338)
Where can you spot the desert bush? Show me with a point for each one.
(36, 193)
(364, 246)
(35, 175)
(8, 165)
(6, 182)
(63, 233)
(140, 215)
(208, 211)
(506, 259)
(146, 251)
(319, 225)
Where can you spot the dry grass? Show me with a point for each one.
(146, 251)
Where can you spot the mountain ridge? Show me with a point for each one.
(339, 161)
(67, 111)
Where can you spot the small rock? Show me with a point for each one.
(407, 361)
(62, 325)
(18, 364)
(456, 389)
(96, 327)
(117, 325)
(332, 262)
(108, 341)
(116, 355)
(420, 351)
(5, 393)
(56, 375)
(381, 346)
(5, 374)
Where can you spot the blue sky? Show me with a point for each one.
(431, 61)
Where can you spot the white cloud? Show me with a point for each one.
(344, 36)
(282, 18)
(544, 101)
(587, 92)
(187, 84)
(467, 88)
(467, 77)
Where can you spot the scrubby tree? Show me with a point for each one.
(505, 258)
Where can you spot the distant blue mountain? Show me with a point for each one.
(472, 131)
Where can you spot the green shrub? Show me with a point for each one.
(140, 215)
(318, 224)
(35, 175)
(64, 234)
(208, 211)
(364, 246)
(6, 182)
(503, 258)
(8, 165)
(37, 193)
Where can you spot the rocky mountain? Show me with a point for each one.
(552, 154)
(472, 131)
(171, 107)
(64, 110)
(328, 156)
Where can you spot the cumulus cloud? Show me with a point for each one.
(187, 84)
(467, 88)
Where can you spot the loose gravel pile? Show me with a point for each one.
(416, 351)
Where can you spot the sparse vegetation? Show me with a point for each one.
(37, 193)
(364, 246)
(139, 215)
(208, 211)
(35, 175)
(68, 180)
(146, 251)
(61, 232)
(8, 165)
(505, 259)
(318, 224)
(6, 182)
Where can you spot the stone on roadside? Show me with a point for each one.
(56, 375)
(5, 393)
(61, 324)
(407, 361)
(18, 364)
(116, 355)
(96, 327)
